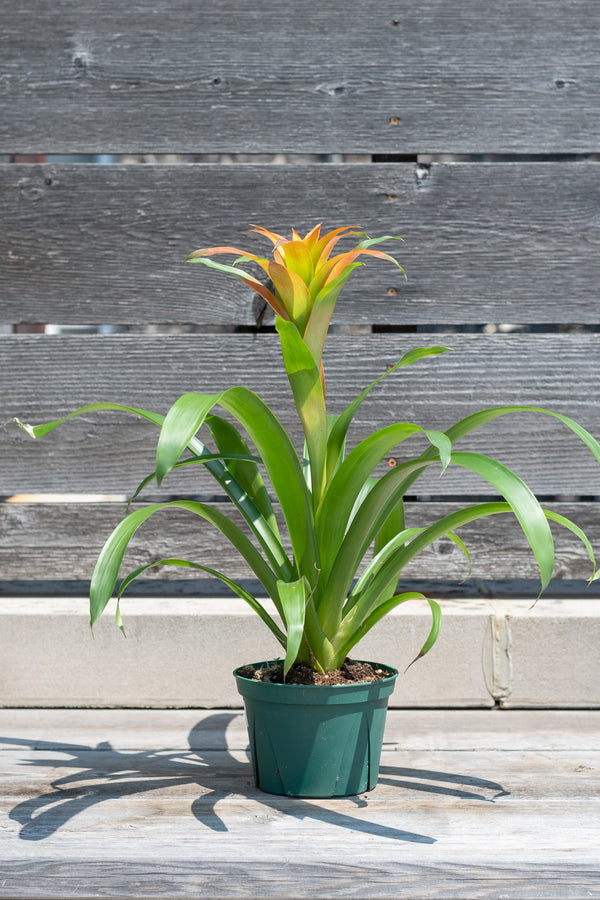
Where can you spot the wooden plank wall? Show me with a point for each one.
(470, 129)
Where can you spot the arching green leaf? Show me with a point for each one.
(106, 571)
(233, 585)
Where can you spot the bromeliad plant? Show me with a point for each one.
(337, 516)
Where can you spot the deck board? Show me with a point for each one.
(123, 803)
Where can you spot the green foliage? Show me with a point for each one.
(347, 531)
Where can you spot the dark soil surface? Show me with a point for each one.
(350, 672)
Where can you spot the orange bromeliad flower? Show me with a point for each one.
(306, 278)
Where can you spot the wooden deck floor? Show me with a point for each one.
(470, 804)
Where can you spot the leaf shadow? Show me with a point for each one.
(88, 776)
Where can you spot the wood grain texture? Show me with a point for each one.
(62, 541)
(511, 242)
(44, 378)
(392, 78)
(99, 811)
(219, 730)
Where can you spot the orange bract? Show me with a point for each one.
(306, 279)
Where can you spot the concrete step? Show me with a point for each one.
(181, 653)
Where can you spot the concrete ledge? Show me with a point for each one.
(181, 652)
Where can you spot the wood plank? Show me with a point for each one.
(45, 377)
(62, 541)
(203, 730)
(80, 820)
(505, 242)
(170, 774)
(170, 77)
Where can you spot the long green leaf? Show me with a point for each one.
(576, 530)
(189, 461)
(274, 447)
(261, 528)
(245, 470)
(293, 597)
(385, 578)
(307, 388)
(371, 515)
(393, 525)
(476, 420)
(285, 473)
(370, 242)
(390, 550)
(469, 423)
(392, 546)
(38, 431)
(337, 436)
(181, 423)
(335, 511)
(233, 585)
(383, 609)
(523, 503)
(106, 571)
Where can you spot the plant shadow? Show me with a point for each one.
(93, 775)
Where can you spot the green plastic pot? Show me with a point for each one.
(316, 740)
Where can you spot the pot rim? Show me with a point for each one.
(262, 664)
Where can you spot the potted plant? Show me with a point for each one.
(329, 552)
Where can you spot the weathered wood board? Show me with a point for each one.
(130, 804)
(45, 377)
(483, 243)
(62, 541)
(392, 77)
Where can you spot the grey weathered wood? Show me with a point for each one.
(61, 541)
(391, 78)
(103, 811)
(552, 777)
(45, 377)
(214, 730)
(511, 242)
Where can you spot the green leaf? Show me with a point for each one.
(385, 575)
(523, 503)
(305, 380)
(336, 509)
(337, 437)
(370, 242)
(385, 607)
(395, 543)
(182, 421)
(38, 431)
(275, 449)
(233, 585)
(436, 615)
(347, 555)
(576, 530)
(203, 459)
(476, 420)
(106, 571)
(269, 541)
(461, 546)
(243, 466)
(471, 422)
(293, 597)
(393, 525)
